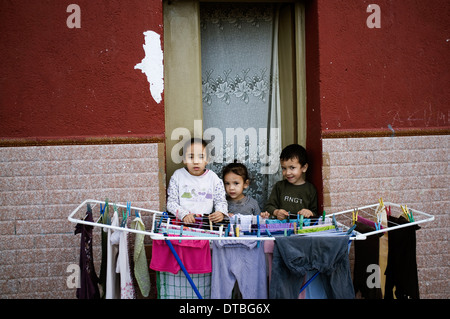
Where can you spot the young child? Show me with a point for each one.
(236, 180)
(293, 195)
(195, 190)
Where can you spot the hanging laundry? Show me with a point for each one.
(367, 252)
(123, 267)
(140, 266)
(195, 255)
(401, 271)
(177, 286)
(112, 278)
(242, 261)
(104, 219)
(88, 278)
(326, 254)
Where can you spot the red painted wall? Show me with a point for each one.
(62, 83)
(363, 80)
(396, 75)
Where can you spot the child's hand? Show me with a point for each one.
(189, 219)
(280, 214)
(265, 215)
(306, 213)
(216, 217)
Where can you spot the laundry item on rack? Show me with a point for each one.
(119, 238)
(195, 255)
(103, 266)
(242, 261)
(88, 278)
(140, 268)
(401, 271)
(112, 278)
(366, 253)
(294, 256)
(177, 286)
(269, 245)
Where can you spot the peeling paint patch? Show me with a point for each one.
(152, 64)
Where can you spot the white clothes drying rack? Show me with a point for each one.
(344, 220)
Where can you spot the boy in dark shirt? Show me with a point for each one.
(293, 195)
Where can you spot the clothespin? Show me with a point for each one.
(355, 215)
(102, 209)
(301, 222)
(129, 209)
(227, 233)
(381, 202)
(408, 213)
(258, 232)
(335, 223)
(378, 223)
(388, 211)
(351, 229)
(181, 233)
(136, 212)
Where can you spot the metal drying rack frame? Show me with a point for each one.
(343, 220)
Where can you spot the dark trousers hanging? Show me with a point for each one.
(366, 253)
(401, 270)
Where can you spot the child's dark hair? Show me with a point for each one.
(194, 140)
(236, 168)
(294, 151)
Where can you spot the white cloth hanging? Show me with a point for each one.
(112, 280)
(123, 267)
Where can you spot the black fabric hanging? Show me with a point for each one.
(88, 278)
(366, 253)
(401, 271)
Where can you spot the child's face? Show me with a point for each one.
(293, 171)
(235, 185)
(195, 159)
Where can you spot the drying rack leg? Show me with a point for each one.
(183, 268)
(309, 281)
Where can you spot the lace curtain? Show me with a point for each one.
(241, 107)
